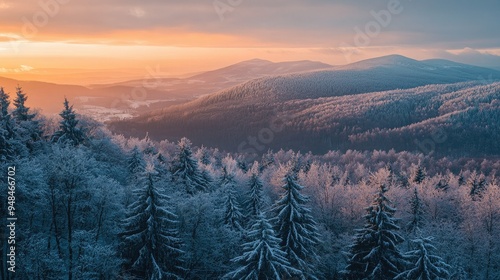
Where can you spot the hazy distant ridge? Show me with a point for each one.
(386, 102)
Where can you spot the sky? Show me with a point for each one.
(74, 41)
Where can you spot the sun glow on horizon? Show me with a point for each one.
(118, 41)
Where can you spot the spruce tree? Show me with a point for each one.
(262, 257)
(423, 264)
(203, 155)
(461, 179)
(6, 128)
(419, 174)
(242, 164)
(267, 160)
(185, 170)
(136, 163)
(254, 197)
(477, 184)
(207, 180)
(152, 248)
(374, 254)
(4, 104)
(296, 228)
(69, 131)
(27, 128)
(21, 112)
(233, 215)
(417, 212)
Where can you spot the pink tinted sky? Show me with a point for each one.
(51, 39)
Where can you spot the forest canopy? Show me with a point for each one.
(96, 205)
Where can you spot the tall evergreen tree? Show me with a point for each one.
(6, 128)
(461, 179)
(242, 164)
(136, 163)
(267, 160)
(297, 228)
(150, 241)
(185, 170)
(28, 129)
(477, 184)
(419, 174)
(233, 215)
(203, 155)
(21, 112)
(262, 257)
(69, 131)
(417, 212)
(4, 104)
(207, 180)
(254, 197)
(424, 265)
(374, 254)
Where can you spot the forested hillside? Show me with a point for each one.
(390, 102)
(449, 119)
(93, 205)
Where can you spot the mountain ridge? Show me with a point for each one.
(107, 101)
(259, 85)
(226, 118)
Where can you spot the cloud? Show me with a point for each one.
(446, 24)
(137, 12)
(6, 37)
(21, 68)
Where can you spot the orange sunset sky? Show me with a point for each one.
(71, 41)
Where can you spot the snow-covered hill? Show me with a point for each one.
(130, 98)
(349, 107)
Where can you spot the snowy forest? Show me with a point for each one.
(465, 115)
(95, 205)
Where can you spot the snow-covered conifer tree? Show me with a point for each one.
(27, 128)
(254, 197)
(151, 245)
(203, 155)
(21, 112)
(297, 228)
(416, 211)
(262, 257)
(69, 131)
(267, 160)
(242, 164)
(233, 215)
(374, 254)
(477, 184)
(418, 175)
(4, 104)
(6, 128)
(185, 170)
(424, 265)
(136, 163)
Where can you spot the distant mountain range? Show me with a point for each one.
(130, 98)
(382, 103)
